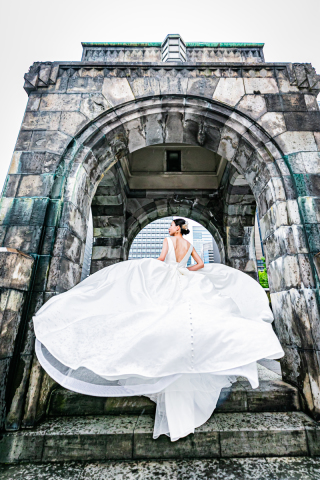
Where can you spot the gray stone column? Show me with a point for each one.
(108, 222)
(239, 216)
(15, 278)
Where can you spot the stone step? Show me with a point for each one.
(270, 396)
(269, 468)
(129, 437)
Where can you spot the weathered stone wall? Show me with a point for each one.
(83, 117)
(239, 218)
(15, 281)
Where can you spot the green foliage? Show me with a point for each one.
(263, 276)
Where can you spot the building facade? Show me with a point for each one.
(202, 237)
(211, 135)
(148, 242)
(207, 252)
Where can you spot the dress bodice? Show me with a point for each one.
(171, 255)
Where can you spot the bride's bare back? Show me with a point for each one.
(181, 246)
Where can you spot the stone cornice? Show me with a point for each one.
(188, 44)
(43, 74)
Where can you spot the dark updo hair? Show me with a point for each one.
(180, 222)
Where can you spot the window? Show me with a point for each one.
(173, 161)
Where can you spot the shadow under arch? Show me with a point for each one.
(182, 119)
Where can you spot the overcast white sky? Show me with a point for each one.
(35, 30)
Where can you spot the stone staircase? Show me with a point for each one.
(264, 422)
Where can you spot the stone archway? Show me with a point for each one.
(246, 145)
(142, 215)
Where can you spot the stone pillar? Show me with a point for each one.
(239, 212)
(108, 222)
(290, 230)
(15, 278)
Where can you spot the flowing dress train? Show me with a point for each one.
(146, 327)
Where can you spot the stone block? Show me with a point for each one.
(286, 103)
(307, 185)
(202, 86)
(19, 388)
(67, 245)
(203, 443)
(311, 103)
(229, 91)
(293, 212)
(41, 121)
(273, 396)
(313, 235)
(48, 240)
(15, 269)
(19, 447)
(60, 102)
(93, 105)
(72, 122)
(286, 240)
(35, 185)
(273, 123)
(71, 471)
(33, 163)
(85, 84)
(247, 434)
(304, 162)
(154, 129)
(135, 134)
(100, 438)
(145, 86)
(252, 105)
(303, 121)
(72, 219)
(284, 273)
(291, 142)
(117, 91)
(173, 85)
(25, 238)
(292, 321)
(22, 211)
(23, 140)
(11, 303)
(260, 86)
(97, 265)
(229, 142)
(106, 253)
(41, 273)
(4, 370)
(51, 141)
(33, 102)
(63, 275)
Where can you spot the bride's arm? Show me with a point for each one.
(164, 251)
(199, 261)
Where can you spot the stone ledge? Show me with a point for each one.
(213, 469)
(271, 396)
(130, 437)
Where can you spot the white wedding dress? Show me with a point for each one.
(146, 327)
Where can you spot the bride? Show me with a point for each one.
(155, 327)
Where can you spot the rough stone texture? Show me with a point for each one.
(272, 395)
(85, 119)
(281, 468)
(130, 437)
(15, 278)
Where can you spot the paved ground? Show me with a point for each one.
(296, 468)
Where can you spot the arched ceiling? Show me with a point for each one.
(146, 168)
